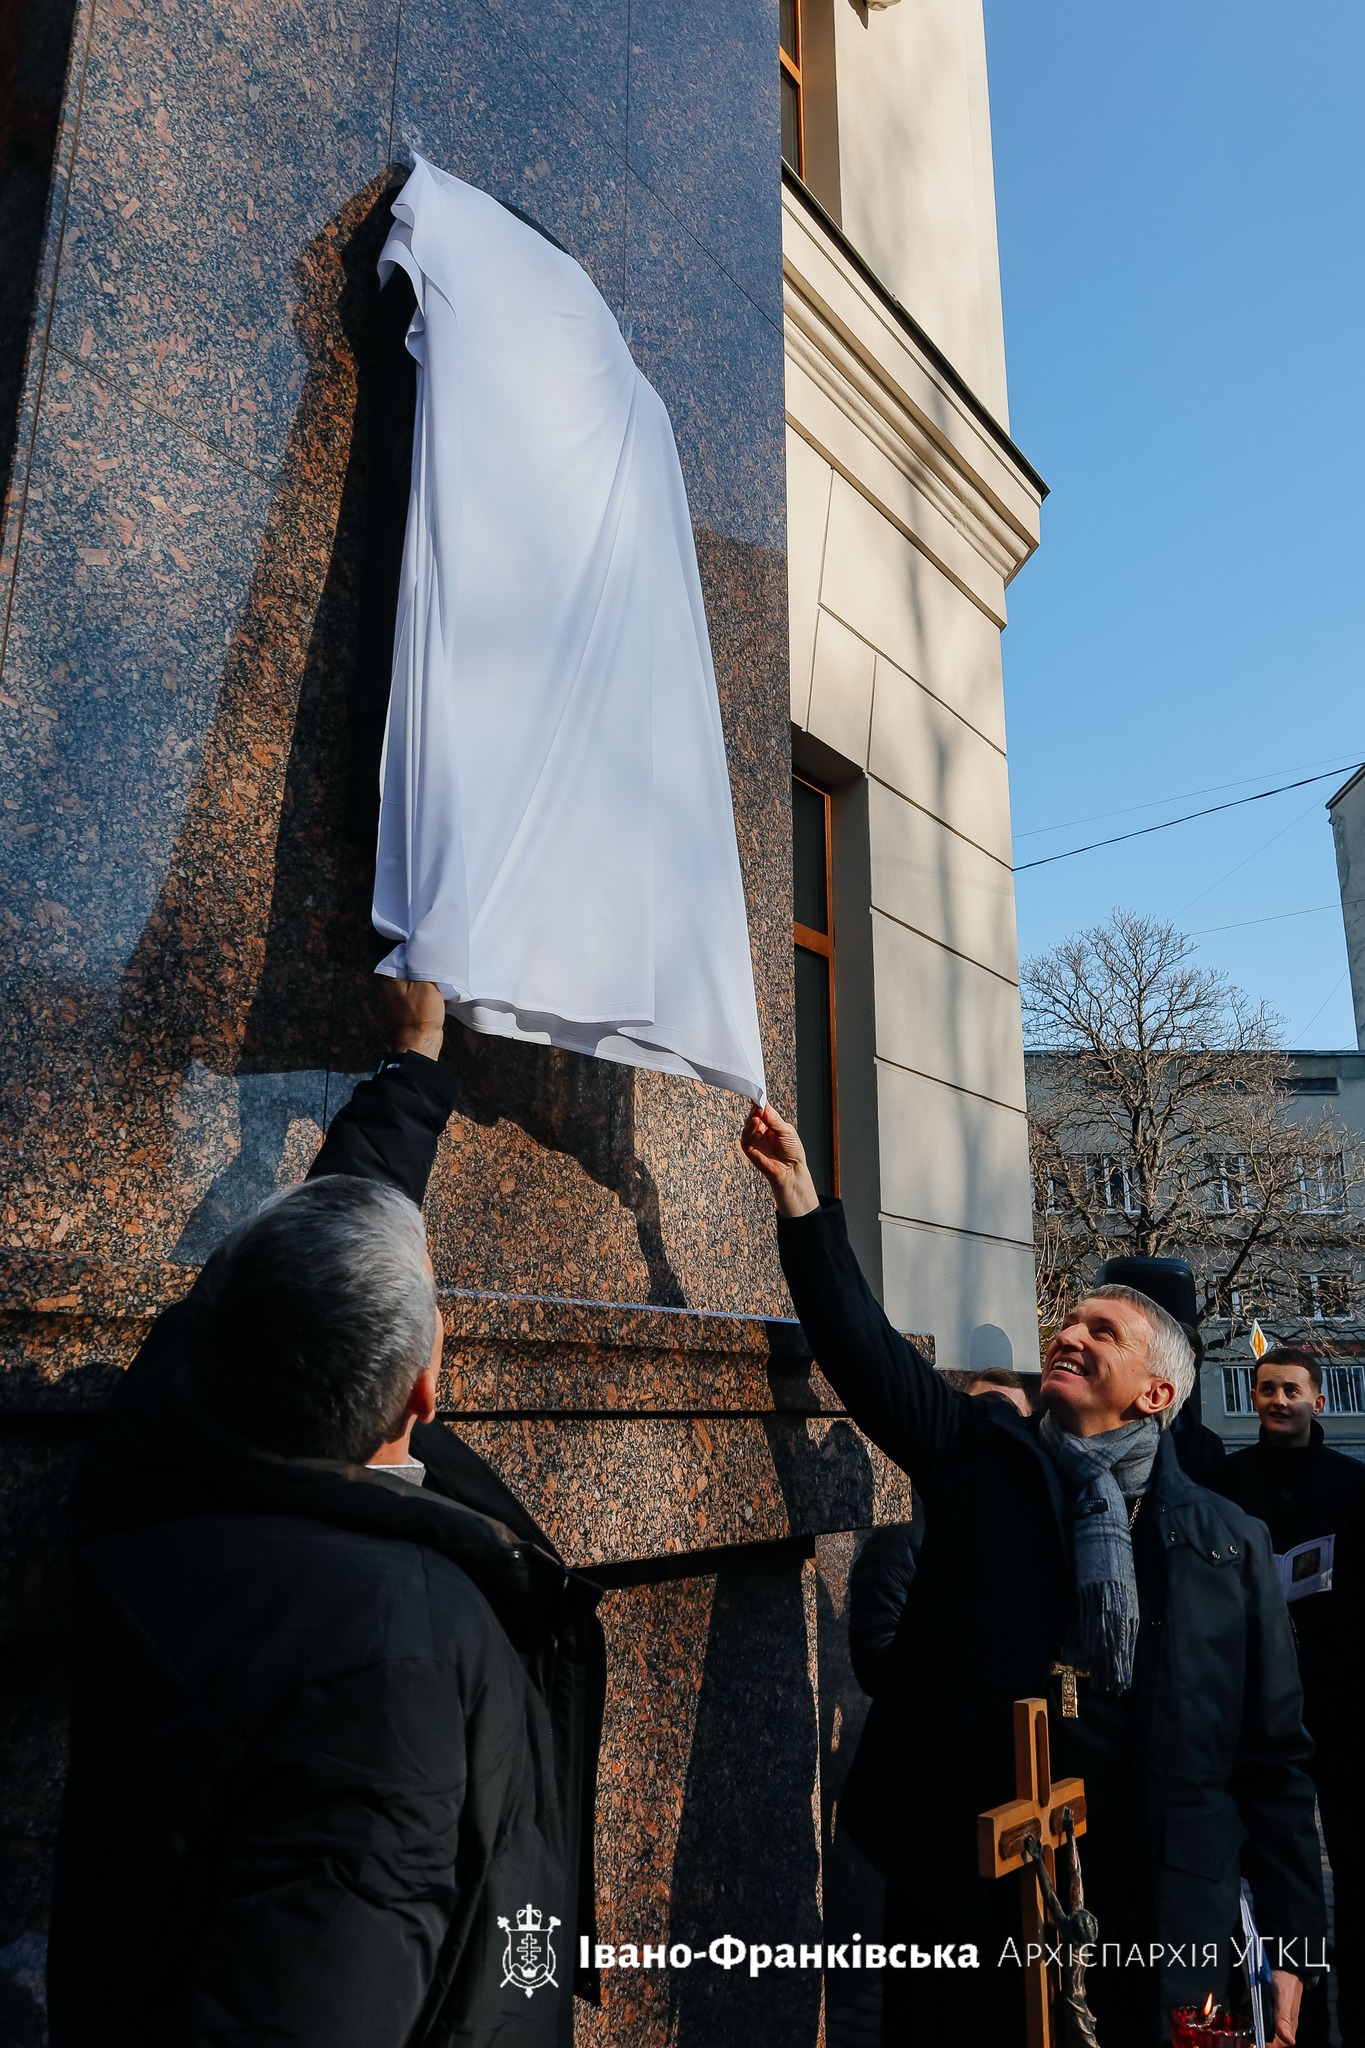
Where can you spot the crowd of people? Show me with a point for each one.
(337, 1699)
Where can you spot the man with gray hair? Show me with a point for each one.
(336, 1698)
(1066, 1557)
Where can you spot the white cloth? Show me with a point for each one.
(557, 840)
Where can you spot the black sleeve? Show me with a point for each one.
(892, 1393)
(878, 1588)
(390, 1127)
(1281, 1860)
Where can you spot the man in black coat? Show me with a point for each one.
(1067, 1557)
(336, 1698)
(1312, 1500)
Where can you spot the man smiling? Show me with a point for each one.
(1068, 1557)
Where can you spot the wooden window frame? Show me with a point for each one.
(791, 68)
(811, 941)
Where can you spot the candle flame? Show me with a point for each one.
(1208, 2007)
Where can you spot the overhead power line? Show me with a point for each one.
(1141, 831)
(1180, 796)
(1277, 917)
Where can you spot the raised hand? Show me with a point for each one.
(773, 1147)
(414, 1015)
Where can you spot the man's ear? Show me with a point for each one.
(422, 1400)
(1155, 1397)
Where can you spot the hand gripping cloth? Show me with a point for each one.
(556, 839)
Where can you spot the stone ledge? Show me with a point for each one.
(69, 1326)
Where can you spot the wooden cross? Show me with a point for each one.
(1036, 1810)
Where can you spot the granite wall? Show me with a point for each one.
(187, 707)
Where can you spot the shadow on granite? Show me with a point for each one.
(35, 43)
(656, 1643)
(747, 1858)
(853, 1891)
(568, 1104)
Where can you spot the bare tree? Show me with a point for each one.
(1160, 1125)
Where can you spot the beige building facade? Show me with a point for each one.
(909, 512)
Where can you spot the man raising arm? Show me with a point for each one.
(1067, 1557)
(335, 1699)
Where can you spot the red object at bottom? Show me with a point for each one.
(1208, 2026)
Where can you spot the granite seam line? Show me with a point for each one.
(397, 61)
(832, 612)
(221, 449)
(46, 344)
(625, 210)
(915, 804)
(969, 958)
(941, 1081)
(623, 158)
(1022, 1244)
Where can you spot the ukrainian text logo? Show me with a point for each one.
(727, 1952)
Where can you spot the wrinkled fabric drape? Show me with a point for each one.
(557, 842)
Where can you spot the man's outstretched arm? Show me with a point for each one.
(892, 1393)
(390, 1127)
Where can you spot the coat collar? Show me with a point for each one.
(1296, 1456)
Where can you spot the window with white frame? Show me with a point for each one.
(1232, 1186)
(1344, 1386)
(1322, 1183)
(1237, 1390)
(1228, 1298)
(1114, 1184)
(1324, 1297)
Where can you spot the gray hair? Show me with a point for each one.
(1171, 1355)
(323, 1314)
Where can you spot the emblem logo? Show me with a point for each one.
(528, 1960)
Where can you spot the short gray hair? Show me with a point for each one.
(322, 1314)
(1171, 1356)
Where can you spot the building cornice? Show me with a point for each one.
(880, 403)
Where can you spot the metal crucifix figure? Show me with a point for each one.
(1078, 1929)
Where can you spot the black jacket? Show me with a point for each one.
(878, 1588)
(329, 1728)
(1218, 1743)
(1301, 1495)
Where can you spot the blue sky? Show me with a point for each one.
(1181, 202)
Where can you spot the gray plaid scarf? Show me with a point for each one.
(1100, 1470)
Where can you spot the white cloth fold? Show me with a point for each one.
(557, 841)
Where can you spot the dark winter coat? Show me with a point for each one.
(878, 1588)
(1216, 1741)
(330, 1729)
(1301, 1495)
